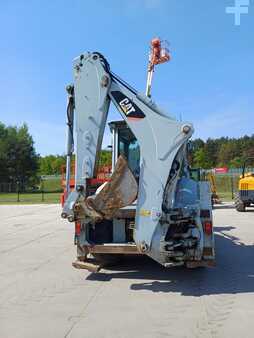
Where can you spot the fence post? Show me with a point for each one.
(18, 188)
(42, 189)
(232, 186)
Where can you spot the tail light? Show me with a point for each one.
(208, 227)
(77, 228)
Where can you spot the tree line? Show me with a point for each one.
(19, 160)
(55, 164)
(222, 152)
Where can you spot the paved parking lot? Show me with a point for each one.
(41, 295)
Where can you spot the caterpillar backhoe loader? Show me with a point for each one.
(150, 205)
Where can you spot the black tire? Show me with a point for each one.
(239, 204)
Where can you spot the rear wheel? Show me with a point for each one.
(239, 204)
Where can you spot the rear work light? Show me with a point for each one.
(208, 227)
(77, 228)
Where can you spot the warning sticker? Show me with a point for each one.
(144, 212)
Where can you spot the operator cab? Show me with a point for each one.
(125, 143)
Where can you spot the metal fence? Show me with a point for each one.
(238, 171)
(47, 189)
(227, 184)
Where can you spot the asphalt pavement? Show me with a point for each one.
(43, 296)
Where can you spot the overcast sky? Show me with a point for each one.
(210, 80)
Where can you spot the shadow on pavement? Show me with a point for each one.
(231, 206)
(234, 272)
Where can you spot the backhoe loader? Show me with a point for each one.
(150, 205)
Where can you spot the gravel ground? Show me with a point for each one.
(41, 295)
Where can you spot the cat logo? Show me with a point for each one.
(127, 106)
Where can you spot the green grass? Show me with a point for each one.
(29, 198)
(52, 191)
(53, 184)
(225, 196)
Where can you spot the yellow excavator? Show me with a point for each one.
(215, 197)
(245, 195)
